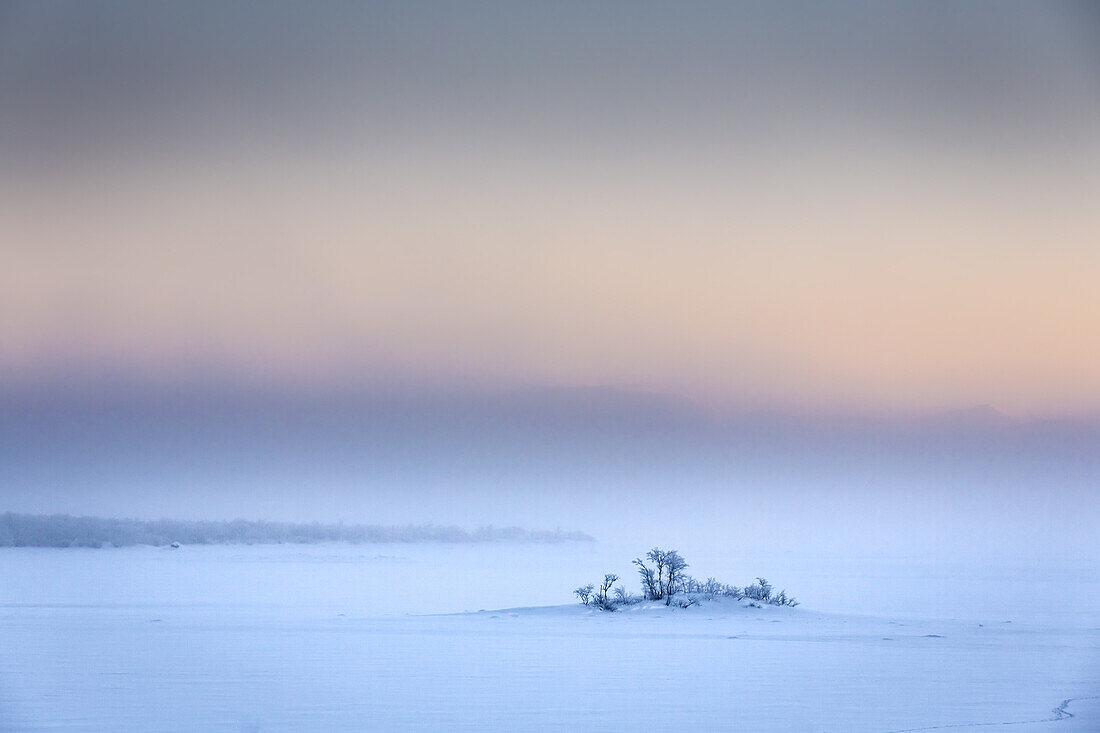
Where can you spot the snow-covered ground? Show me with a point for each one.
(392, 638)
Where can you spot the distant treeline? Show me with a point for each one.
(62, 530)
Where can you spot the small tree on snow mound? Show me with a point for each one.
(674, 574)
(602, 600)
(608, 581)
(667, 577)
(651, 590)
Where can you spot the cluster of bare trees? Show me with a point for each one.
(664, 578)
(600, 597)
(761, 591)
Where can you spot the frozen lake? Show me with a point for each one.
(375, 637)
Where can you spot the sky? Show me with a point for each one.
(823, 272)
(856, 206)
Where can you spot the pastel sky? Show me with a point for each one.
(822, 206)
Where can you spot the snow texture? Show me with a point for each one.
(373, 637)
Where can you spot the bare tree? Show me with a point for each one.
(608, 581)
(666, 578)
(657, 555)
(674, 565)
(650, 588)
(584, 593)
(601, 599)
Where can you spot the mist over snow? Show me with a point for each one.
(614, 463)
